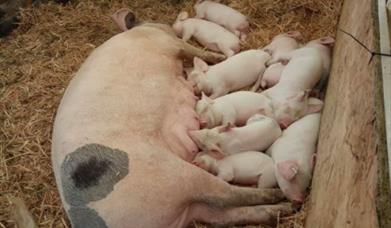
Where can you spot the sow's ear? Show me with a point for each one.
(314, 105)
(124, 19)
(288, 169)
(200, 65)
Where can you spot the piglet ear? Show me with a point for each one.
(293, 34)
(301, 96)
(314, 105)
(327, 40)
(288, 169)
(267, 50)
(196, 163)
(183, 16)
(227, 127)
(216, 152)
(285, 122)
(200, 65)
(203, 123)
(206, 98)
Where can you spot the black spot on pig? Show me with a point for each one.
(83, 217)
(90, 173)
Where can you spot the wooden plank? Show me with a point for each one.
(385, 68)
(345, 185)
(383, 108)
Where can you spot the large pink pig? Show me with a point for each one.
(293, 154)
(120, 149)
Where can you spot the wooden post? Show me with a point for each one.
(348, 187)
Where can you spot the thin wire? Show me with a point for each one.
(373, 53)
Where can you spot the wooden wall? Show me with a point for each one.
(351, 186)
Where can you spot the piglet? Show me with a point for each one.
(324, 46)
(235, 108)
(223, 15)
(304, 67)
(258, 134)
(236, 72)
(209, 34)
(290, 103)
(290, 95)
(294, 156)
(246, 168)
(282, 44)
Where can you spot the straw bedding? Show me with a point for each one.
(41, 56)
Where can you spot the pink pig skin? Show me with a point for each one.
(120, 150)
(293, 155)
(223, 15)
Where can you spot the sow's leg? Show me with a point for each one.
(222, 204)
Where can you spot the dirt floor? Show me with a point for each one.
(41, 56)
